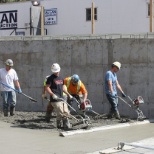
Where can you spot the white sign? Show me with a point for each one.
(8, 19)
(50, 16)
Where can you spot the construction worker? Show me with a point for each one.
(49, 106)
(76, 88)
(55, 87)
(9, 77)
(111, 83)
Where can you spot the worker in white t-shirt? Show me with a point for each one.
(9, 77)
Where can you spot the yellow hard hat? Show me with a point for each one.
(117, 64)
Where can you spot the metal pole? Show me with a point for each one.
(151, 15)
(42, 20)
(30, 21)
(92, 16)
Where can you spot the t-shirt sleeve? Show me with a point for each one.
(108, 76)
(15, 76)
(48, 80)
(83, 88)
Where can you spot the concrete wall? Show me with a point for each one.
(90, 58)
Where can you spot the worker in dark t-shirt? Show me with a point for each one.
(55, 87)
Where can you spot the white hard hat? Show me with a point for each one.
(55, 68)
(117, 64)
(9, 62)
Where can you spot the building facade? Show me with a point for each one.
(74, 17)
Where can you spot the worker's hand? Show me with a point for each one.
(55, 97)
(70, 97)
(44, 96)
(84, 100)
(123, 94)
(19, 91)
(113, 94)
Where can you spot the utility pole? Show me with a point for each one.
(92, 18)
(42, 20)
(151, 15)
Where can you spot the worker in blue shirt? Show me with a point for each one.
(111, 85)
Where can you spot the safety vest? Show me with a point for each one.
(78, 86)
(44, 83)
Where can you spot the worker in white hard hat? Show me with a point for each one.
(111, 85)
(55, 87)
(8, 76)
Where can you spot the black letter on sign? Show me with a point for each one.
(4, 18)
(13, 17)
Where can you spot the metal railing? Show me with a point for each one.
(31, 30)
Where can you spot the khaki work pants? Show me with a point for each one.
(61, 109)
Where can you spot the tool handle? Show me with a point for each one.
(9, 86)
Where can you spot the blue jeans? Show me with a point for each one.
(9, 99)
(113, 101)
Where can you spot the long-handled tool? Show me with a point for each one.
(82, 120)
(31, 99)
(87, 107)
(67, 104)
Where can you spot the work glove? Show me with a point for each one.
(70, 96)
(123, 94)
(44, 96)
(55, 97)
(19, 91)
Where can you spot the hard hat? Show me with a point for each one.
(75, 78)
(55, 68)
(9, 62)
(117, 64)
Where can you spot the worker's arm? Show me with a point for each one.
(17, 84)
(44, 91)
(110, 86)
(120, 89)
(85, 96)
(84, 92)
(49, 91)
(118, 86)
(66, 92)
(44, 95)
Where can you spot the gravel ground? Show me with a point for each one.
(36, 120)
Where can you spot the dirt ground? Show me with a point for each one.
(36, 120)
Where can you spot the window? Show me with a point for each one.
(89, 14)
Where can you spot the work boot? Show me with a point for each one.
(59, 124)
(66, 124)
(117, 115)
(48, 116)
(5, 113)
(12, 110)
(110, 115)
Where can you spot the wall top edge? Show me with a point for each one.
(80, 37)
